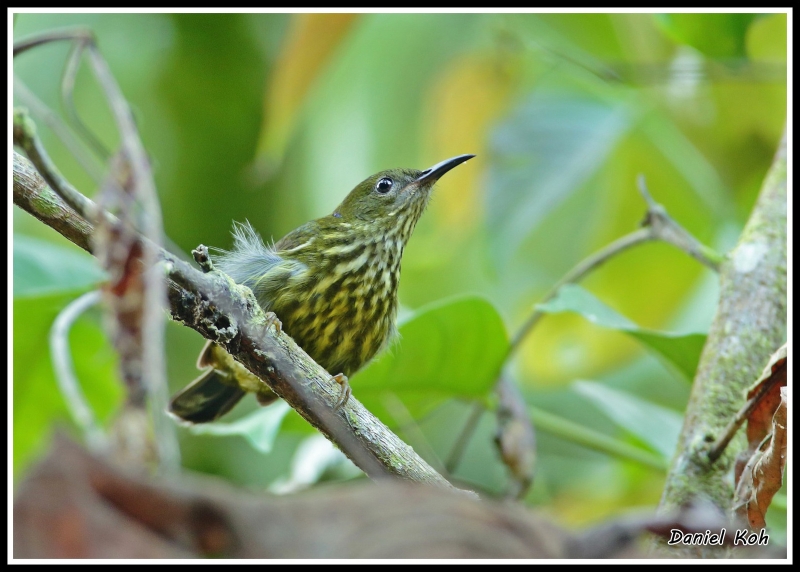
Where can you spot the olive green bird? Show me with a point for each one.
(331, 282)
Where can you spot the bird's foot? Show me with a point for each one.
(273, 320)
(341, 379)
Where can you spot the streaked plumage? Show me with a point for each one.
(332, 283)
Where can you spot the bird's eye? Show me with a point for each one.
(384, 185)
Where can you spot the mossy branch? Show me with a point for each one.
(750, 324)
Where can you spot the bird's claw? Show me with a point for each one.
(273, 320)
(341, 379)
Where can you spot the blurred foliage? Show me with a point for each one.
(681, 351)
(42, 268)
(275, 117)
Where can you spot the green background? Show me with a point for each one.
(273, 118)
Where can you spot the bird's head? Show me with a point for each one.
(393, 199)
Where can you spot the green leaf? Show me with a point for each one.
(37, 402)
(681, 350)
(42, 268)
(259, 428)
(681, 152)
(314, 457)
(720, 35)
(766, 39)
(542, 154)
(453, 348)
(590, 438)
(657, 426)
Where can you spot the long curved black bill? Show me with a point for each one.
(439, 169)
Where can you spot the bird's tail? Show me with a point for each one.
(207, 398)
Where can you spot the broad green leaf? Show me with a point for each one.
(682, 350)
(43, 268)
(657, 426)
(259, 427)
(450, 349)
(542, 154)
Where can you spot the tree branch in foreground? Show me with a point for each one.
(227, 313)
(201, 517)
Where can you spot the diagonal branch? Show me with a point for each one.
(220, 310)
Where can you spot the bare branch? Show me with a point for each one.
(666, 229)
(227, 313)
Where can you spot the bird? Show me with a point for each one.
(332, 284)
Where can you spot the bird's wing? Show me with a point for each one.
(263, 269)
(296, 239)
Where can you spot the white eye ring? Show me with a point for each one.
(384, 185)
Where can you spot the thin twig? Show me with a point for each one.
(657, 225)
(67, 91)
(25, 138)
(64, 371)
(68, 34)
(667, 229)
(575, 275)
(143, 190)
(454, 459)
(716, 450)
